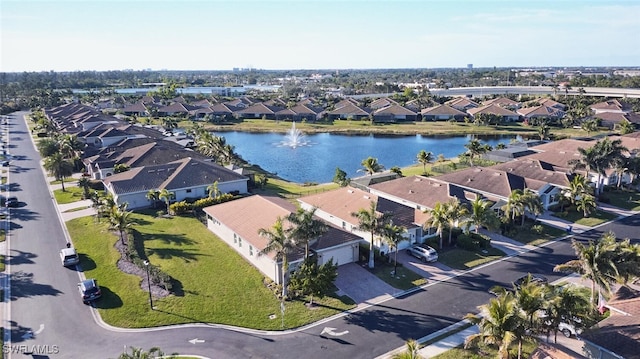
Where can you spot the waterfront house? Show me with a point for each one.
(186, 178)
(442, 113)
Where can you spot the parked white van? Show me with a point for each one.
(69, 257)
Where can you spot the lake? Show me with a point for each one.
(317, 160)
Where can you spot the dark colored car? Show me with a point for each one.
(89, 290)
(12, 201)
(530, 278)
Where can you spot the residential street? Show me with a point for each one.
(44, 307)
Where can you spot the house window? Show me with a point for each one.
(235, 238)
(344, 225)
(240, 242)
(189, 191)
(251, 250)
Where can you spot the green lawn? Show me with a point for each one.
(70, 195)
(595, 218)
(527, 236)
(404, 278)
(457, 258)
(215, 284)
(623, 198)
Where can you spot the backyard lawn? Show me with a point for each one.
(215, 284)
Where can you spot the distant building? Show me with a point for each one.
(469, 66)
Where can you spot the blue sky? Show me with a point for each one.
(304, 34)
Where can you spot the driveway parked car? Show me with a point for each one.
(89, 290)
(425, 254)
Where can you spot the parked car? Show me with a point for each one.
(69, 256)
(425, 254)
(12, 201)
(568, 330)
(530, 278)
(89, 290)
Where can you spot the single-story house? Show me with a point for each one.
(187, 178)
(442, 113)
(238, 222)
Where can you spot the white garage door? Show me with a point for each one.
(342, 255)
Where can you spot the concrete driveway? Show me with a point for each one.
(435, 271)
(361, 285)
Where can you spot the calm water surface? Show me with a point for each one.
(317, 161)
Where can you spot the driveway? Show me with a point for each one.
(361, 285)
(435, 271)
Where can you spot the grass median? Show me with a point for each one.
(215, 284)
(69, 195)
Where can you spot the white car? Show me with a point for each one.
(69, 257)
(425, 254)
(568, 330)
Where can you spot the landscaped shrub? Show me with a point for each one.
(156, 275)
(537, 229)
(181, 207)
(473, 241)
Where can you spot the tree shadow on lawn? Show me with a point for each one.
(22, 286)
(109, 299)
(177, 239)
(168, 253)
(86, 263)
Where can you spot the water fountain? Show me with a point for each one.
(295, 138)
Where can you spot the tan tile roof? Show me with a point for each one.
(502, 101)
(492, 109)
(382, 102)
(349, 109)
(341, 202)
(394, 110)
(533, 169)
(442, 110)
(610, 105)
(245, 216)
(462, 103)
(540, 111)
(485, 180)
(423, 191)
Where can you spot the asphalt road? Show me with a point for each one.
(46, 312)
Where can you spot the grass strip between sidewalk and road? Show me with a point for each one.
(214, 283)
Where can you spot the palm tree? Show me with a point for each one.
(120, 220)
(578, 187)
(437, 219)
(425, 158)
(371, 165)
(372, 222)
(515, 205)
(586, 203)
(213, 191)
(564, 303)
(412, 352)
(166, 196)
(475, 148)
(282, 245)
(532, 204)
(594, 262)
(455, 211)
(392, 235)
(589, 126)
(626, 127)
(305, 228)
(153, 196)
(481, 215)
(85, 185)
(531, 297)
(497, 322)
(58, 167)
(543, 131)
